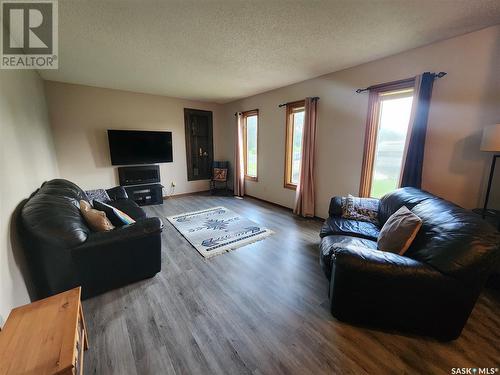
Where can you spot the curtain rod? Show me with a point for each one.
(252, 110)
(284, 104)
(436, 75)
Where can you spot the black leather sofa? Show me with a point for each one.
(432, 289)
(62, 252)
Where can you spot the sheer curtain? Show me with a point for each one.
(413, 159)
(304, 195)
(239, 170)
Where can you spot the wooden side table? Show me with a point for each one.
(45, 337)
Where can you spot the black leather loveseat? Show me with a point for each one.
(62, 252)
(432, 289)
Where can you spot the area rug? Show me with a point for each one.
(216, 230)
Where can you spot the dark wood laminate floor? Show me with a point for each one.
(261, 309)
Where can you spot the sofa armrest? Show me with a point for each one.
(380, 263)
(117, 192)
(335, 206)
(392, 291)
(109, 260)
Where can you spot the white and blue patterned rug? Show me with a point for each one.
(216, 230)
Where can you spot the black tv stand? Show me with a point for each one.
(145, 195)
(142, 184)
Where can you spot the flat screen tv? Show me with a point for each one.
(139, 147)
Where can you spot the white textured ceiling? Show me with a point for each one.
(224, 50)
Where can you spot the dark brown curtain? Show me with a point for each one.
(413, 161)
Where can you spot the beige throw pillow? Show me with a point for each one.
(95, 219)
(399, 231)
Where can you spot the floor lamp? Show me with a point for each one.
(490, 143)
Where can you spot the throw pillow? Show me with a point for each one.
(361, 209)
(399, 231)
(95, 219)
(117, 217)
(97, 194)
(220, 174)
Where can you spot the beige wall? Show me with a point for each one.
(27, 160)
(463, 102)
(80, 116)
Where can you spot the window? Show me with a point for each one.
(250, 131)
(386, 134)
(293, 152)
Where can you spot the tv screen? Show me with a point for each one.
(139, 147)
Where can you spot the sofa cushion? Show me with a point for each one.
(398, 198)
(455, 241)
(335, 208)
(128, 206)
(61, 187)
(339, 225)
(118, 192)
(52, 215)
(330, 244)
(399, 231)
(115, 215)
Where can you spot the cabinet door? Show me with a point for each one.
(199, 144)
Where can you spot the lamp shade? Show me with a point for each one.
(491, 138)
